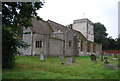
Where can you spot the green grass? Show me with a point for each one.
(51, 68)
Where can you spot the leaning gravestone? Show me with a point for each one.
(93, 57)
(41, 56)
(69, 61)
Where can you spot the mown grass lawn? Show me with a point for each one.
(51, 68)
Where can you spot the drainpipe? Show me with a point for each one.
(48, 47)
(32, 44)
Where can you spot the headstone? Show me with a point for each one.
(69, 61)
(93, 57)
(105, 58)
(73, 60)
(115, 55)
(110, 66)
(41, 56)
(61, 58)
(106, 61)
(102, 59)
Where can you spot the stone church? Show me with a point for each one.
(54, 39)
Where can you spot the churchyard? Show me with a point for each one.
(81, 67)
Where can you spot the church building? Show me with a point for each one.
(54, 39)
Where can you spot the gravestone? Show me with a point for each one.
(110, 66)
(102, 58)
(41, 56)
(115, 55)
(69, 61)
(93, 57)
(106, 60)
(61, 58)
(73, 60)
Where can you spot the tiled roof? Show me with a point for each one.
(56, 27)
(40, 26)
(79, 35)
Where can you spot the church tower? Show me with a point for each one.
(86, 27)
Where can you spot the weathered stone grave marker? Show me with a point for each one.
(115, 55)
(69, 61)
(61, 58)
(106, 60)
(93, 57)
(102, 58)
(41, 56)
(73, 60)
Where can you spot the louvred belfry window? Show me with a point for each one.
(39, 44)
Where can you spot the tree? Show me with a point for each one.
(112, 44)
(15, 16)
(118, 43)
(100, 35)
(70, 26)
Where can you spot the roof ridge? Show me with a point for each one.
(56, 23)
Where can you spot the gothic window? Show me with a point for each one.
(39, 44)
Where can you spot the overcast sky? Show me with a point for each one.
(65, 11)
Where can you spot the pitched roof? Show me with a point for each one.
(79, 35)
(56, 27)
(40, 26)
